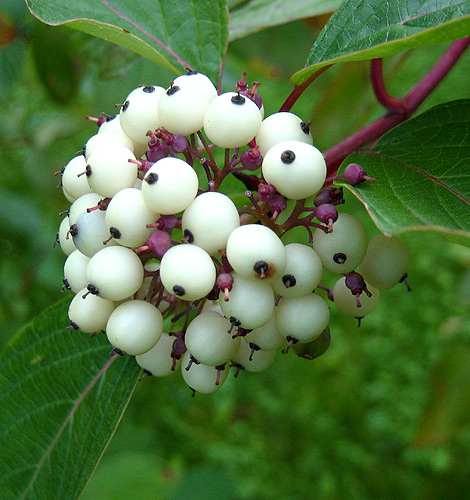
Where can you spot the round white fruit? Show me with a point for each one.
(135, 327)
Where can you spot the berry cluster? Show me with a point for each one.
(177, 275)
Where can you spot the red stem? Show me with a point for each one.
(388, 102)
(335, 155)
(299, 89)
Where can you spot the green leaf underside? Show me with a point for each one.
(195, 30)
(368, 29)
(422, 173)
(256, 15)
(52, 439)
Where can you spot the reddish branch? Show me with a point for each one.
(335, 155)
(299, 89)
(377, 78)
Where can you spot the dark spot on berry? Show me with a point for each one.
(115, 233)
(88, 171)
(151, 178)
(188, 235)
(125, 106)
(339, 258)
(254, 347)
(261, 267)
(172, 90)
(289, 280)
(92, 289)
(287, 156)
(305, 127)
(67, 284)
(148, 89)
(238, 99)
(291, 339)
(74, 325)
(179, 290)
(73, 230)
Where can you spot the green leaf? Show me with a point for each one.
(171, 34)
(447, 413)
(62, 397)
(256, 15)
(421, 172)
(367, 29)
(57, 61)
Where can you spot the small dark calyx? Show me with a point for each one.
(289, 280)
(125, 106)
(88, 171)
(147, 372)
(339, 258)
(152, 178)
(238, 99)
(261, 267)
(73, 230)
(110, 118)
(179, 290)
(287, 156)
(173, 89)
(192, 360)
(192, 72)
(404, 279)
(92, 289)
(118, 351)
(115, 233)
(188, 236)
(254, 347)
(291, 341)
(148, 89)
(305, 126)
(235, 322)
(67, 284)
(74, 325)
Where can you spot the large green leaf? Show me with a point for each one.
(61, 398)
(422, 173)
(256, 15)
(367, 29)
(195, 31)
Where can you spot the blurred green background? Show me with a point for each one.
(385, 413)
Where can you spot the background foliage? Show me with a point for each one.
(383, 414)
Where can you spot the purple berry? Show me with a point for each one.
(332, 195)
(266, 192)
(157, 149)
(328, 214)
(251, 159)
(355, 174)
(158, 244)
(355, 282)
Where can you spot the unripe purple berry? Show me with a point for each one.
(158, 243)
(251, 159)
(355, 174)
(266, 192)
(331, 194)
(328, 214)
